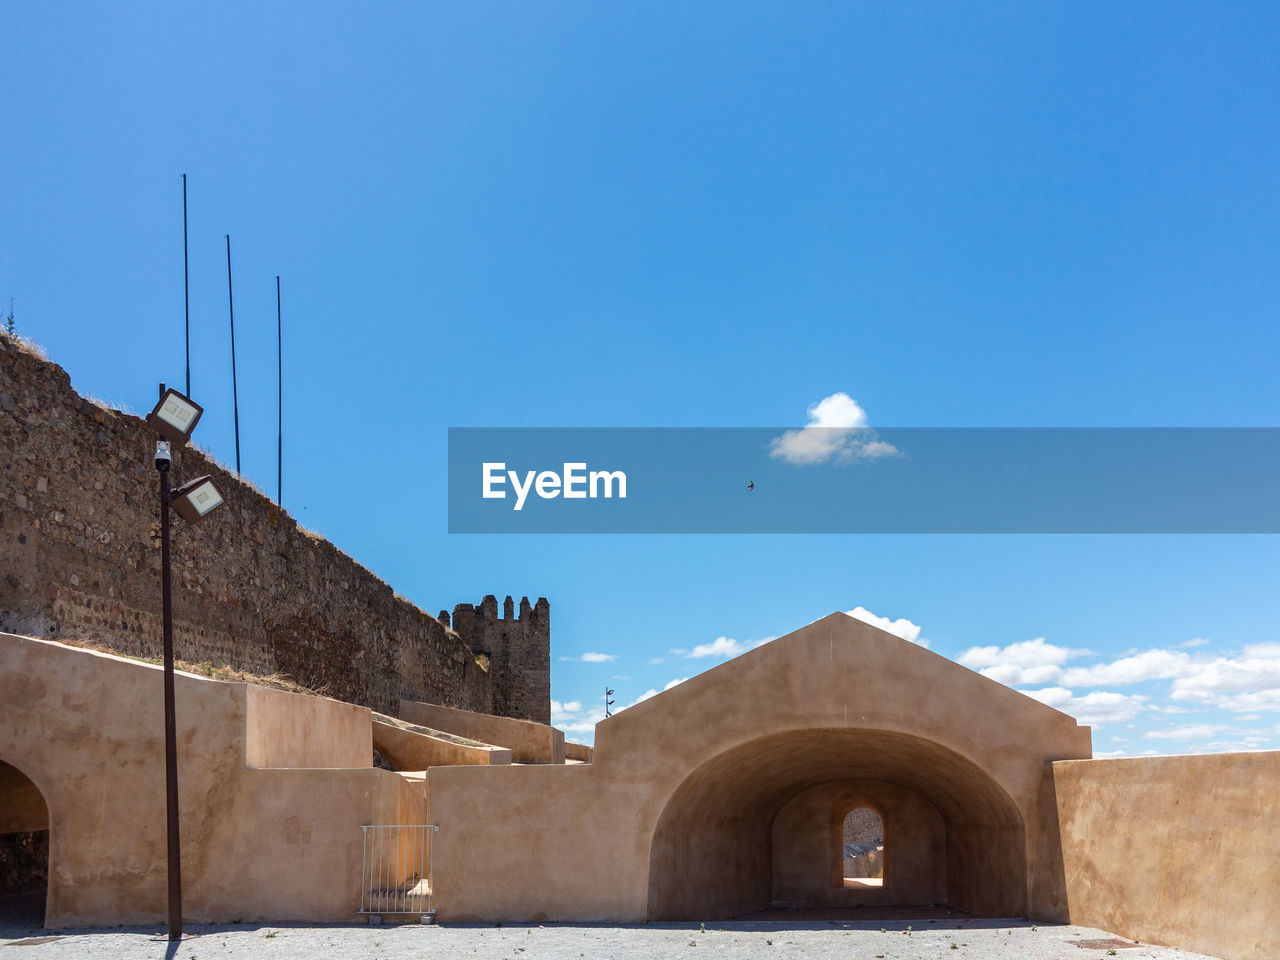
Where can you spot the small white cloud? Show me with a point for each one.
(572, 717)
(1188, 731)
(723, 647)
(656, 660)
(899, 628)
(599, 657)
(1025, 653)
(1263, 650)
(1244, 684)
(837, 429)
(1027, 661)
(1197, 642)
(1012, 675)
(1093, 709)
(1148, 665)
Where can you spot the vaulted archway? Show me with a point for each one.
(723, 845)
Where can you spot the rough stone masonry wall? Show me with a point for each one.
(80, 560)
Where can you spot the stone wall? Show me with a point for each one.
(80, 561)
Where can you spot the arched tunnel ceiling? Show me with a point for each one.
(764, 774)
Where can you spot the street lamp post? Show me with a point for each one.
(173, 419)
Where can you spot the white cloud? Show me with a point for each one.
(719, 647)
(899, 628)
(1188, 731)
(837, 429)
(1149, 665)
(1093, 709)
(1025, 653)
(1028, 661)
(1265, 650)
(1197, 642)
(723, 647)
(656, 660)
(1012, 675)
(1243, 684)
(599, 657)
(572, 717)
(653, 692)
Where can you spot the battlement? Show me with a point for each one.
(518, 648)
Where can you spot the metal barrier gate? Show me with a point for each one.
(395, 873)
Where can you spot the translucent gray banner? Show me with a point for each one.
(899, 480)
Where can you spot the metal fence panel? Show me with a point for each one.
(395, 870)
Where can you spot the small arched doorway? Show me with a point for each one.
(862, 848)
(24, 849)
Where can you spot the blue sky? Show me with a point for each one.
(691, 215)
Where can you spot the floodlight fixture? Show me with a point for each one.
(196, 498)
(175, 416)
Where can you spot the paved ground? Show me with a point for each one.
(750, 940)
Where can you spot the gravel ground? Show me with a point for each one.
(753, 940)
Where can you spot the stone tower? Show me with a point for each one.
(519, 651)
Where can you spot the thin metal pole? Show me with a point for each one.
(279, 401)
(364, 862)
(235, 397)
(170, 716)
(431, 873)
(186, 281)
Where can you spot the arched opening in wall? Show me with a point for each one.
(862, 848)
(24, 849)
(759, 827)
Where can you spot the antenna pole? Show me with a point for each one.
(235, 397)
(186, 281)
(279, 401)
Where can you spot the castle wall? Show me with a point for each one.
(80, 561)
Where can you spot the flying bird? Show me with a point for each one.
(751, 485)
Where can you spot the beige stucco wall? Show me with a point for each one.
(529, 742)
(257, 844)
(1179, 851)
(673, 817)
(285, 730)
(408, 748)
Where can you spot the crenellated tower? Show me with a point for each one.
(519, 650)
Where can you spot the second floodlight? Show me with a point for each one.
(194, 499)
